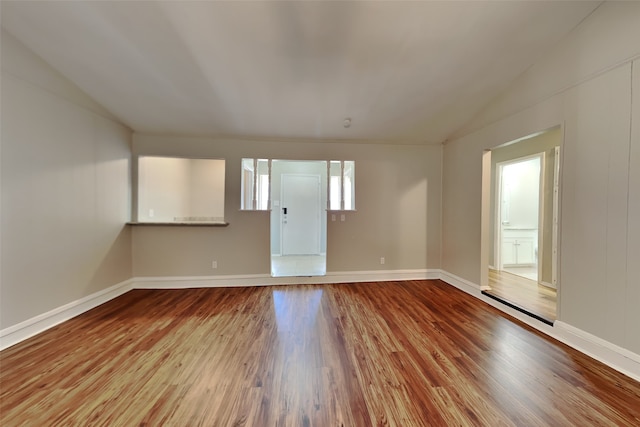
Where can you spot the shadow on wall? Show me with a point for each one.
(114, 258)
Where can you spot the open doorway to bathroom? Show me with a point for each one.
(522, 224)
(518, 216)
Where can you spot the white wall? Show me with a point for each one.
(65, 190)
(397, 201)
(585, 85)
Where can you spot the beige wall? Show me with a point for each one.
(587, 82)
(65, 191)
(206, 184)
(398, 211)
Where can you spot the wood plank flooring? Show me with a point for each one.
(417, 353)
(524, 293)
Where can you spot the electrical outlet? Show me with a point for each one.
(214, 264)
(381, 260)
(151, 213)
(342, 217)
(333, 217)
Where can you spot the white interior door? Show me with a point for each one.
(301, 210)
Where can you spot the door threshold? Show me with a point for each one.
(518, 308)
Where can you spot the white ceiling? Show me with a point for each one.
(403, 71)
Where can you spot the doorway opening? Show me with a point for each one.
(520, 218)
(298, 218)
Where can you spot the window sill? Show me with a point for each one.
(183, 224)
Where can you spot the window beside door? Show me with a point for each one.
(256, 185)
(342, 185)
(255, 188)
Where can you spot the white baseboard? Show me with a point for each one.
(267, 280)
(30, 327)
(618, 358)
(460, 283)
(548, 285)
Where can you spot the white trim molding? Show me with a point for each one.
(30, 327)
(266, 280)
(618, 358)
(462, 284)
(548, 285)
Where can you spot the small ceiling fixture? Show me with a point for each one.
(347, 122)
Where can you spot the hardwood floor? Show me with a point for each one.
(298, 265)
(418, 353)
(524, 293)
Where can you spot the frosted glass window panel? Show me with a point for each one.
(262, 189)
(342, 188)
(335, 185)
(255, 185)
(172, 189)
(349, 188)
(248, 181)
(263, 193)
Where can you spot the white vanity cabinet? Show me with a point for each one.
(519, 247)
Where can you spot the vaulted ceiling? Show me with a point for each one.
(405, 72)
